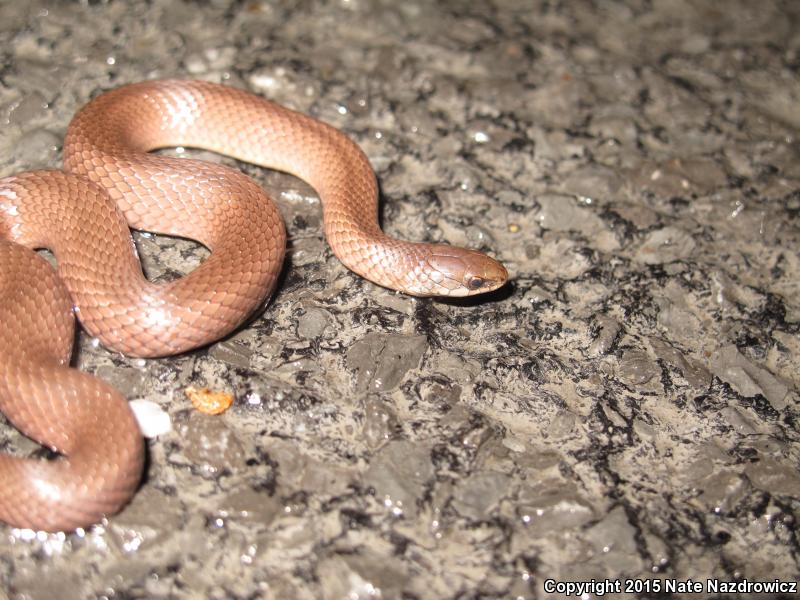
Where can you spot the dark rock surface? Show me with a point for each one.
(626, 408)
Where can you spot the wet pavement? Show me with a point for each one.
(625, 409)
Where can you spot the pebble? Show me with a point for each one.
(152, 419)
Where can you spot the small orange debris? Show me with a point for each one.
(209, 402)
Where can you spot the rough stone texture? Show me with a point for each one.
(627, 407)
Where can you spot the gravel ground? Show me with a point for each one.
(626, 408)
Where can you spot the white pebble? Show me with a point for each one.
(153, 420)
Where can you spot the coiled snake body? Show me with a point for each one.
(83, 215)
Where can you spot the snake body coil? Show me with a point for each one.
(83, 215)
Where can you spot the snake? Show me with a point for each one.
(112, 182)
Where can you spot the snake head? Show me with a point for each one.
(458, 272)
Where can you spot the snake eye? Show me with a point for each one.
(475, 283)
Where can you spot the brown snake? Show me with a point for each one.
(83, 215)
